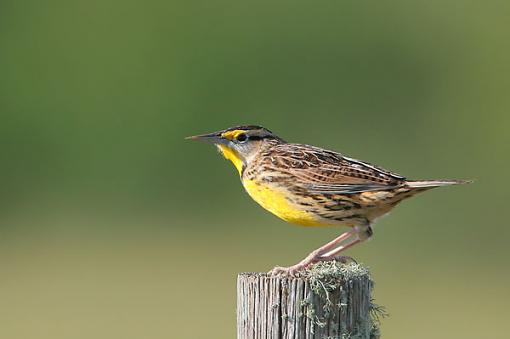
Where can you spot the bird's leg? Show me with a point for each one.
(327, 252)
(333, 253)
(363, 233)
(318, 254)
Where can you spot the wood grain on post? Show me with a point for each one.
(331, 300)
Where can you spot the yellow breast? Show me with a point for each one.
(274, 200)
(271, 198)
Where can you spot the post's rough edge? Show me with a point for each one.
(332, 269)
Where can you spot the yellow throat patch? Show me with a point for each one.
(233, 156)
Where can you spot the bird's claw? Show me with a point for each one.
(296, 271)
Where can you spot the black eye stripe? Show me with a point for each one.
(244, 137)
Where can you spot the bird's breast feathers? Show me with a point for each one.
(274, 199)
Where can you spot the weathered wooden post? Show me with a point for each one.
(331, 300)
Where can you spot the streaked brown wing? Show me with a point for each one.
(322, 171)
(347, 188)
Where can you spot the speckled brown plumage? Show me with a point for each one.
(339, 189)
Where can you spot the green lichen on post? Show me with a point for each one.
(327, 277)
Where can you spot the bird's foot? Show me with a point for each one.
(295, 270)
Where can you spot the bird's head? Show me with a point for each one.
(241, 143)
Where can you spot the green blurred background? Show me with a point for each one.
(113, 226)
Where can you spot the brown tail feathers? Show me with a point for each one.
(435, 183)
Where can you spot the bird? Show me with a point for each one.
(311, 186)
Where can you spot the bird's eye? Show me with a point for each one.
(242, 137)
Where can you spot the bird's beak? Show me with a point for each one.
(214, 138)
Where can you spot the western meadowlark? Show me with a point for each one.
(311, 186)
